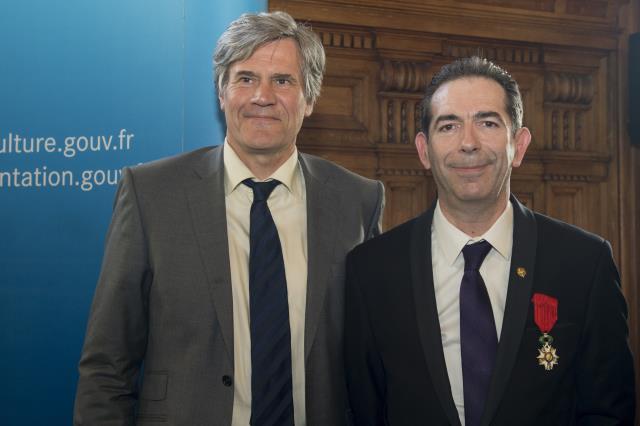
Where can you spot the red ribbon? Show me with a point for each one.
(545, 311)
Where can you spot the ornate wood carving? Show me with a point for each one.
(568, 88)
(375, 100)
(502, 54)
(569, 59)
(347, 39)
(409, 77)
(569, 111)
(402, 85)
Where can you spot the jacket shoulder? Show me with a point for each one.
(169, 174)
(562, 234)
(176, 163)
(391, 241)
(336, 174)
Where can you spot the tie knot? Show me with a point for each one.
(474, 254)
(261, 190)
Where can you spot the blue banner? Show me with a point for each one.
(86, 89)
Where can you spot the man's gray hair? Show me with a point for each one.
(251, 31)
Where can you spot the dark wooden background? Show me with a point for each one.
(570, 59)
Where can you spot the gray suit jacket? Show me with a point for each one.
(163, 303)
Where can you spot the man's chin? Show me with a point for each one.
(475, 196)
(269, 147)
(268, 135)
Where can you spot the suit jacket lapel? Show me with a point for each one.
(427, 313)
(322, 224)
(523, 255)
(208, 214)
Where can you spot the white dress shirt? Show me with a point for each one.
(447, 260)
(287, 204)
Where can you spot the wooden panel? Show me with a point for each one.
(542, 5)
(347, 111)
(568, 24)
(569, 57)
(595, 8)
(372, 97)
(529, 191)
(565, 200)
(406, 197)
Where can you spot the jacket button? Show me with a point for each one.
(227, 381)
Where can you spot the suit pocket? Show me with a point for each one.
(154, 386)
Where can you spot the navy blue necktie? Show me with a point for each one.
(271, 390)
(478, 338)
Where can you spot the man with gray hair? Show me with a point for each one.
(223, 268)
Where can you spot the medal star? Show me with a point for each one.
(547, 356)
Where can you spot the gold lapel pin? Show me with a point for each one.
(521, 272)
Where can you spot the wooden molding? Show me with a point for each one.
(572, 26)
(522, 54)
(345, 38)
(568, 88)
(404, 76)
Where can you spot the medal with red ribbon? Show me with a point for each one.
(545, 315)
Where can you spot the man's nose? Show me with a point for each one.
(264, 94)
(469, 141)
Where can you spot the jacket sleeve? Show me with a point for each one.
(364, 369)
(116, 336)
(605, 377)
(375, 224)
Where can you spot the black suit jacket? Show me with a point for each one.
(395, 364)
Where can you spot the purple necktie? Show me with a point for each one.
(478, 339)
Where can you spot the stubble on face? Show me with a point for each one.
(470, 149)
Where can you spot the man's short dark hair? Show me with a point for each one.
(474, 67)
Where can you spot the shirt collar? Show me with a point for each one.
(500, 235)
(452, 240)
(236, 171)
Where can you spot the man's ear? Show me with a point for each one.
(221, 99)
(521, 143)
(308, 109)
(423, 153)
